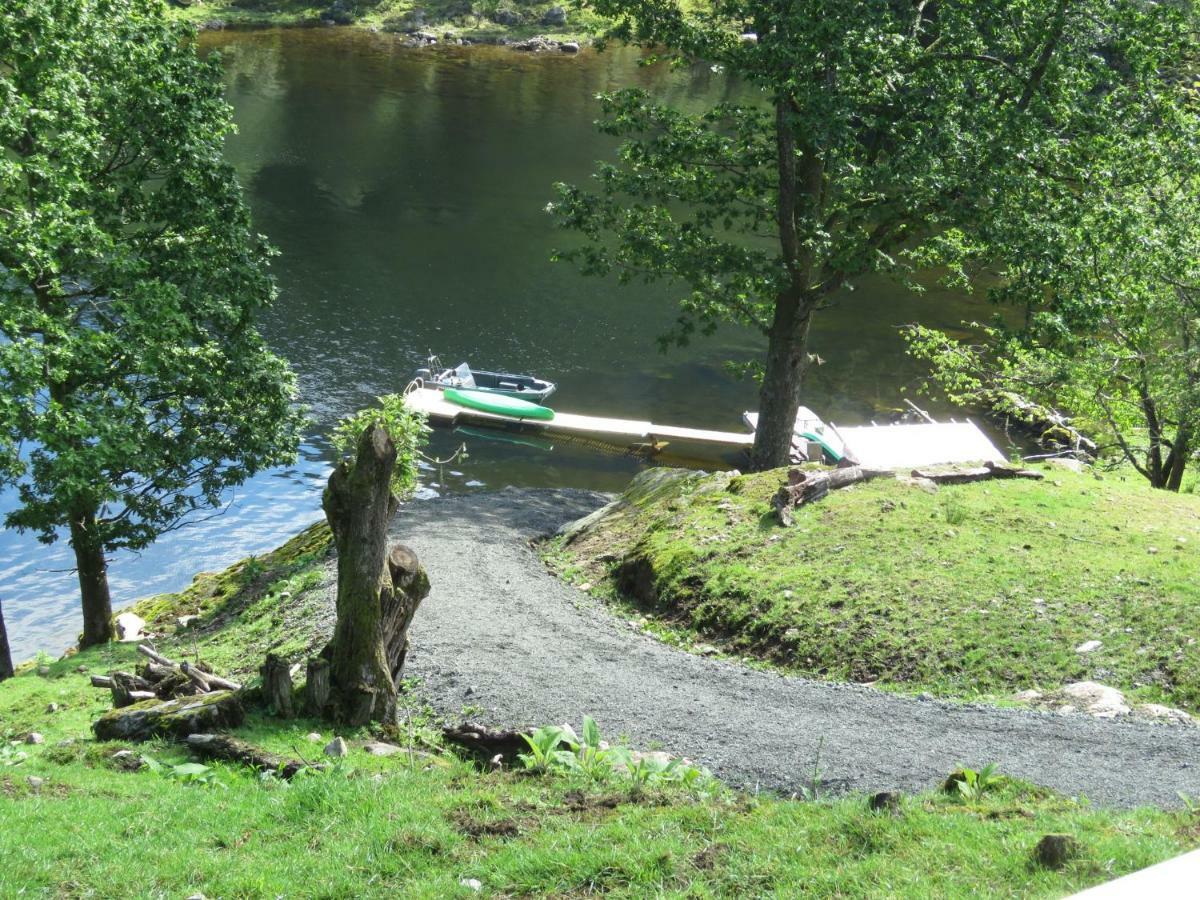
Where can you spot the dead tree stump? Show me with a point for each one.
(378, 592)
(277, 685)
(317, 687)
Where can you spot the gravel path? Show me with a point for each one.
(498, 631)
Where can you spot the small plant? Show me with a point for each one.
(816, 775)
(954, 510)
(973, 785)
(185, 773)
(12, 755)
(1189, 803)
(546, 749)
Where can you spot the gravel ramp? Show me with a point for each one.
(498, 631)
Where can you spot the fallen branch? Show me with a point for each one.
(230, 749)
(809, 487)
(486, 743)
(984, 473)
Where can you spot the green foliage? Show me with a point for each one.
(974, 784)
(406, 428)
(184, 773)
(134, 388)
(883, 132)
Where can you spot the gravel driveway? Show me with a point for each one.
(498, 631)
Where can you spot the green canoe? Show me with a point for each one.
(499, 404)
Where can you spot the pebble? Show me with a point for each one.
(473, 883)
(314, 738)
(52, 707)
(34, 738)
(1088, 646)
(379, 748)
(35, 782)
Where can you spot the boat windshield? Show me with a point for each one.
(463, 376)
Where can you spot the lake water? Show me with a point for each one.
(406, 191)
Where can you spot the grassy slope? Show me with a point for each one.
(93, 830)
(974, 590)
(441, 15)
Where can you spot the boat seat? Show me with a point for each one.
(510, 385)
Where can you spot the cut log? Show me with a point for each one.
(982, 473)
(230, 749)
(277, 685)
(124, 685)
(317, 687)
(101, 681)
(148, 651)
(200, 679)
(808, 487)
(139, 696)
(171, 718)
(487, 743)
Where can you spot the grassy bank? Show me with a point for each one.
(489, 20)
(79, 821)
(971, 591)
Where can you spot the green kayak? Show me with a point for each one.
(499, 404)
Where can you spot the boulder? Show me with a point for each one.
(129, 627)
(171, 718)
(569, 47)
(337, 748)
(555, 17)
(1096, 699)
(34, 738)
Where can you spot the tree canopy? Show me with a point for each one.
(870, 131)
(134, 387)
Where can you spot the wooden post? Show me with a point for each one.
(277, 685)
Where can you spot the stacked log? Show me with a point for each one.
(160, 678)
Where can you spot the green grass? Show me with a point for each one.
(417, 825)
(974, 591)
(421, 826)
(395, 15)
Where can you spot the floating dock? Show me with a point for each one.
(625, 434)
(875, 446)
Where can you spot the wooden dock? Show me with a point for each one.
(626, 434)
(875, 446)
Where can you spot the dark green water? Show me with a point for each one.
(406, 191)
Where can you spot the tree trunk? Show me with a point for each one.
(1177, 462)
(93, 580)
(358, 504)
(6, 664)
(779, 397)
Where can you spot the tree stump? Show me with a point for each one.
(317, 687)
(378, 592)
(277, 685)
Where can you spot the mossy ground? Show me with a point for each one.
(396, 15)
(974, 591)
(422, 824)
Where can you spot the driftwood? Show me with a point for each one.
(809, 487)
(487, 743)
(162, 679)
(984, 473)
(224, 747)
(277, 685)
